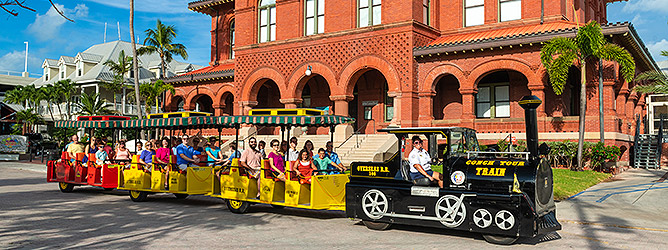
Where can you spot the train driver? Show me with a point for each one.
(419, 160)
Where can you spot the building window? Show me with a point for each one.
(267, 20)
(46, 74)
(510, 10)
(426, 15)
(368, 12)
(315, 17)
(80, 66)
(493, 100)
(474, 12)
(62, 71)
(232, 39)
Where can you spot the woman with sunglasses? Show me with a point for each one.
(276, 160)
(420, 162)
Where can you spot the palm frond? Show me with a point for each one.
(612, 52)
(664, 53)
(589, 39)
(657, 82)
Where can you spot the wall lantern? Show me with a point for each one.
(308, 70)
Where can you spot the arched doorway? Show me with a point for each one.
(447, 103)
(372, 107)
(228, 104)
(269, 95)
(177, 104)
(315, 94)
(202, 103)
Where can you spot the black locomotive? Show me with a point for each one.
(503, 195)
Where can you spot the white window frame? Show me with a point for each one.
(46, 74)
(504, 3)
(317, 15)
(269, 27)
(62, 70)
(492, 100)
(80, 68)
(232, 39)
(371, 7)
(467, 8)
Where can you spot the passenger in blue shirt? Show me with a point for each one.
(213, 152)
(146, 156)
(185, 152)
(234, 153)
(333, 156)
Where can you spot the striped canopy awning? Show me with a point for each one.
(210, 122)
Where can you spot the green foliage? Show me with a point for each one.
(518, 146)
(66, 89)
(161, 41)
(601, 153)
(62, 135)
(92, 105)
(657, 81)
(568, 183)
(153, 91)
(17, 129)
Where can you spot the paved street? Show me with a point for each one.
(35, 214)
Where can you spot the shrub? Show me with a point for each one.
(519, 146)
(599, 154)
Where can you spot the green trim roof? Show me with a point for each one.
(210, 122)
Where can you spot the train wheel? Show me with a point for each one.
(498, 239)
(181, 196)
(380, 226)
(238, 207)
(138, 196)
(65, 187)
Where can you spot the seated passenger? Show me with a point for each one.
(419, 160)
(304, 166)
(100, 155)
(146, 156)
(74, 147)
(276, 160)
(322, 162)
(185, 152)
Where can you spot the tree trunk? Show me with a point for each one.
(583, 110)
(60, 111)
(135, 67)
(48, 105)
(162, 67)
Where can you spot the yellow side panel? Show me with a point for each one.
(236, 187)
(199, 179)
(272, 190)
(177, 182)
(296, 193)
(157, 180)
(136, 179)
(328, 190)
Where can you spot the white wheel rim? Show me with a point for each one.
(374, 204)
(482, 218)
(450, 210)
(504, 220)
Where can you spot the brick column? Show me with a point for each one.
(468, 107)
(218, 110)
(247, 106)
(426, 111)
(342, 131)
(621, 110)
(396, 107)
(539, 91)
(291, 103)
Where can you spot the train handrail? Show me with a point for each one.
(525, 155)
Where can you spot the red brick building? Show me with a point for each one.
(409, 63)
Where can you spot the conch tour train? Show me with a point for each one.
(437, 178)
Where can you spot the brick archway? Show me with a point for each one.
(226, 90)
(196, 93)
(252, 84)
(297, 80)
(358, 66)
(174, 102)
(512, 64)
(430, 80)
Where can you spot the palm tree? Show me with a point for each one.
(160, 40)
(66, 89)
(560, 53)
(135, 66)
(16, 96)
(658, 81)
(48, 92)
(92, 105)
(153, 91)
(28, 118)
(119, 68)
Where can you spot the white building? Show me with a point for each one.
(87, 70)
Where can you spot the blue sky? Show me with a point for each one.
(51, 36)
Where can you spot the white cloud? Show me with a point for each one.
(646, 6)
(14, 61)
(656, 48)
(151, 6)
(47, 26)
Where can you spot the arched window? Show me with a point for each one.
(232, 39)
(368, 12)
(267, 20)
(510, 10)
(315, 17)
(426, 16)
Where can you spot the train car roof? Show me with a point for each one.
(420, 130)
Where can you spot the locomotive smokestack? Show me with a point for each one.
(529, 104)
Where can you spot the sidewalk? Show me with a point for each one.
(637, 198)
(34, 166)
